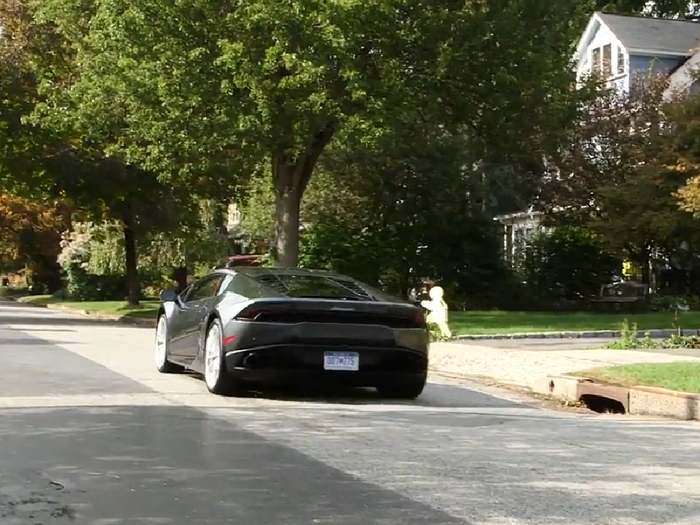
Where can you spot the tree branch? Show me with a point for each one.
(305, 165)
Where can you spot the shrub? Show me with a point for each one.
(435, 333)
(567, 263)
(669, 303)
(77, 246)
(74, 259)
(11, 291)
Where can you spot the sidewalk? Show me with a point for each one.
(545, 372)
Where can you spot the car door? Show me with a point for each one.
(178, 321)
(196, 306)
(182, 318)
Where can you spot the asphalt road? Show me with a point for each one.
(91, 434)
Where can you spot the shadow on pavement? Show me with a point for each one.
(171, 465)
(588, 471)
(33, 366)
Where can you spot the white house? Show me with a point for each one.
(518, 228)
(619, 46)
(233, 217)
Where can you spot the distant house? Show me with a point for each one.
(620, 46)
(233, 218)
(518, 228)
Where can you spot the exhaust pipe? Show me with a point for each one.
(252, 360)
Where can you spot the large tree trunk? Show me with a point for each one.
(179, 275)
(132, 272)
(287, 209)
(290, 177)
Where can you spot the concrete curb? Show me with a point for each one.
(447, 359)
(641, 400)
(561, 387)
(588, 334)
(661, 402)
(98, 316)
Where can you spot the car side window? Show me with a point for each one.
(205, 288)
(184, 293)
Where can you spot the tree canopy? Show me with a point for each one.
(630, 163)
(41, 160)
(659, 8)
(211, 92)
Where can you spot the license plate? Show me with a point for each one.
(349, 361)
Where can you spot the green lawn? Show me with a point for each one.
(147, 309)
(500, 322)
(11, 291)
(461, 323)
(683, 375)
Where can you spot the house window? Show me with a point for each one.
(595, 60)
(607, 60)
(234, 215)
(620, 61)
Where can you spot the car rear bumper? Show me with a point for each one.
(304, 364)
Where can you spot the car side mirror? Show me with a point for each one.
(169, 296)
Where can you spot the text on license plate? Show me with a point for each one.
(341, 361)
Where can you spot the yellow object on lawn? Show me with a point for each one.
(438, 310)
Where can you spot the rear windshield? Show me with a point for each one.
(319, 286)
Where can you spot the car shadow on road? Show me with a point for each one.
(435, 395)
(326, 395)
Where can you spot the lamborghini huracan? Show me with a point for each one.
(251, 326)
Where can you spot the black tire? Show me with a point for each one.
(219, 383)
(163, 363)
(406, 390)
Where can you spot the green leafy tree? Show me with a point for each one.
(657, 8)
(683, 116)
(30, 234)
(613, 177)
(257, 206)
(401, 210)
(47, 159)
(211, 92)
(198, 247)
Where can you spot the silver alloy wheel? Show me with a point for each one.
(161, 350)
(212, 357)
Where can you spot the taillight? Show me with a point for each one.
(419, 317)
(248, 315)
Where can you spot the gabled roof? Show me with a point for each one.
(645, 35)
(638, 33)
(648, 35)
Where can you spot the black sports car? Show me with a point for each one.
(246, 325)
